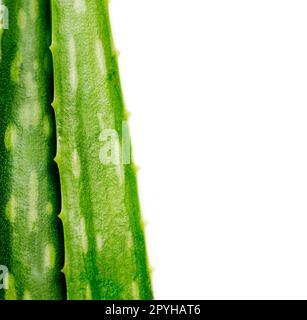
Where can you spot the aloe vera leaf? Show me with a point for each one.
(30, 231)
(105, 254)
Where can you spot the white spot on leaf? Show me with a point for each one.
(135, 290)
(83, 235)
(73, 64)
(88, 293)
(49, 256)
(99, 242)
(75, 160)
(11, 209)
(33, 6)
(49, 208)
(11, 137)
(31, 86)
(29, 115)
(100, 57)
(27, 296)
(80, 6)
(22, 20)
(10, 293)
(129, 240)
(15, 67)
(33, 199)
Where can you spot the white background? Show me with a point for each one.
(218, 96)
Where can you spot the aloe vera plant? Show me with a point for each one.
(30, 232)
(105, 255)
